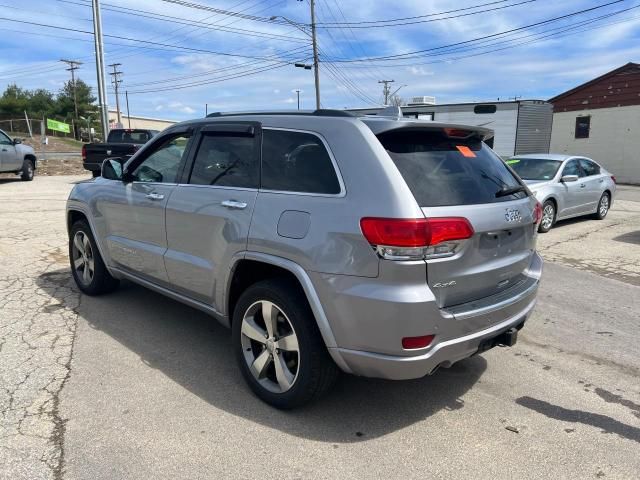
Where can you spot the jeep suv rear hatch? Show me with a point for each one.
(453, 174)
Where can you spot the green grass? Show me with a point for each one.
(70, 141)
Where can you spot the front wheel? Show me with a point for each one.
(603, 206)
(548, 216)
(28, 171)
(88, 268)
(278, 345)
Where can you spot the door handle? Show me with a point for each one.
(155, 196)
(582, 185)
(234, 204)
(5, 150)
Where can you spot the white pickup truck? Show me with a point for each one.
(15, 157)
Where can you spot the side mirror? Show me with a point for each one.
(569, 178)
(112, 169)
(17, 141)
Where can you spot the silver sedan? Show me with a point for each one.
(567, 186)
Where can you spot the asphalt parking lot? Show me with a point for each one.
(134, 385)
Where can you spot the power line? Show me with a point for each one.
(189, 23)
(229, 13)
(407, 55)
(181, 47)
(346, 23)
(430, 20)
(556, 32)
(217, 80)
(207, 73)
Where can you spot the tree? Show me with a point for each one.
(397, 101)
(84, 97)
(41, 103)
(14, 101)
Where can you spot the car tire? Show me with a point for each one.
(27, 171)
(263, 353)
(87, 267)
(603, 206)
(548, 216)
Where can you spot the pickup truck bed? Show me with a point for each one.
(120, 143)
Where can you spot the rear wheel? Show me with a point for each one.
(27, 171)
(548, 216)
(603, 206)
(88, 268)
(278, 345)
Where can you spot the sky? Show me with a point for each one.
(178, 60)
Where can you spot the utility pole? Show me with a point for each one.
(386, 89)
(126, 95)
(316, 73)
(298, 93)
(73, 66)
(99, 48)
(116, 82)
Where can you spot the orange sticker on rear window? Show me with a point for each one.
(466, 151)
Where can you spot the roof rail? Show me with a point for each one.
(323, 112)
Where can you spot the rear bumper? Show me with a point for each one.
(92, 167)
(443, 354)
(459, 331)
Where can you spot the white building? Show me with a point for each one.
(521, 126)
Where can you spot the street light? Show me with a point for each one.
(314, 42)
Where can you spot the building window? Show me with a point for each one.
(583, 125)
(485, 109)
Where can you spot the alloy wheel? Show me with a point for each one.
(83, 261)
(270, 346)
(547, 216)
(603, 208)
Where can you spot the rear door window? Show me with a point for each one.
(226, 160)
(573, 168)
(589, 167)
(442, 171)
(297, 162)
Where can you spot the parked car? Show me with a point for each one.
(121, 142)
(16, 157)
(381, 247)
(567, 186)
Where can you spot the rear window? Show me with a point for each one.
(535, 168)
(441, 171)
(129, 136)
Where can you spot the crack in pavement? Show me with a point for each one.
(37, 334)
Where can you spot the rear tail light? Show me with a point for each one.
(416, 238)
(411, 343)
(614, 179)
(84, 152)
(537, 213)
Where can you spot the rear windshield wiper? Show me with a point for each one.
(505, 191)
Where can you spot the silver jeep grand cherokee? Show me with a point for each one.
(382, 247)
